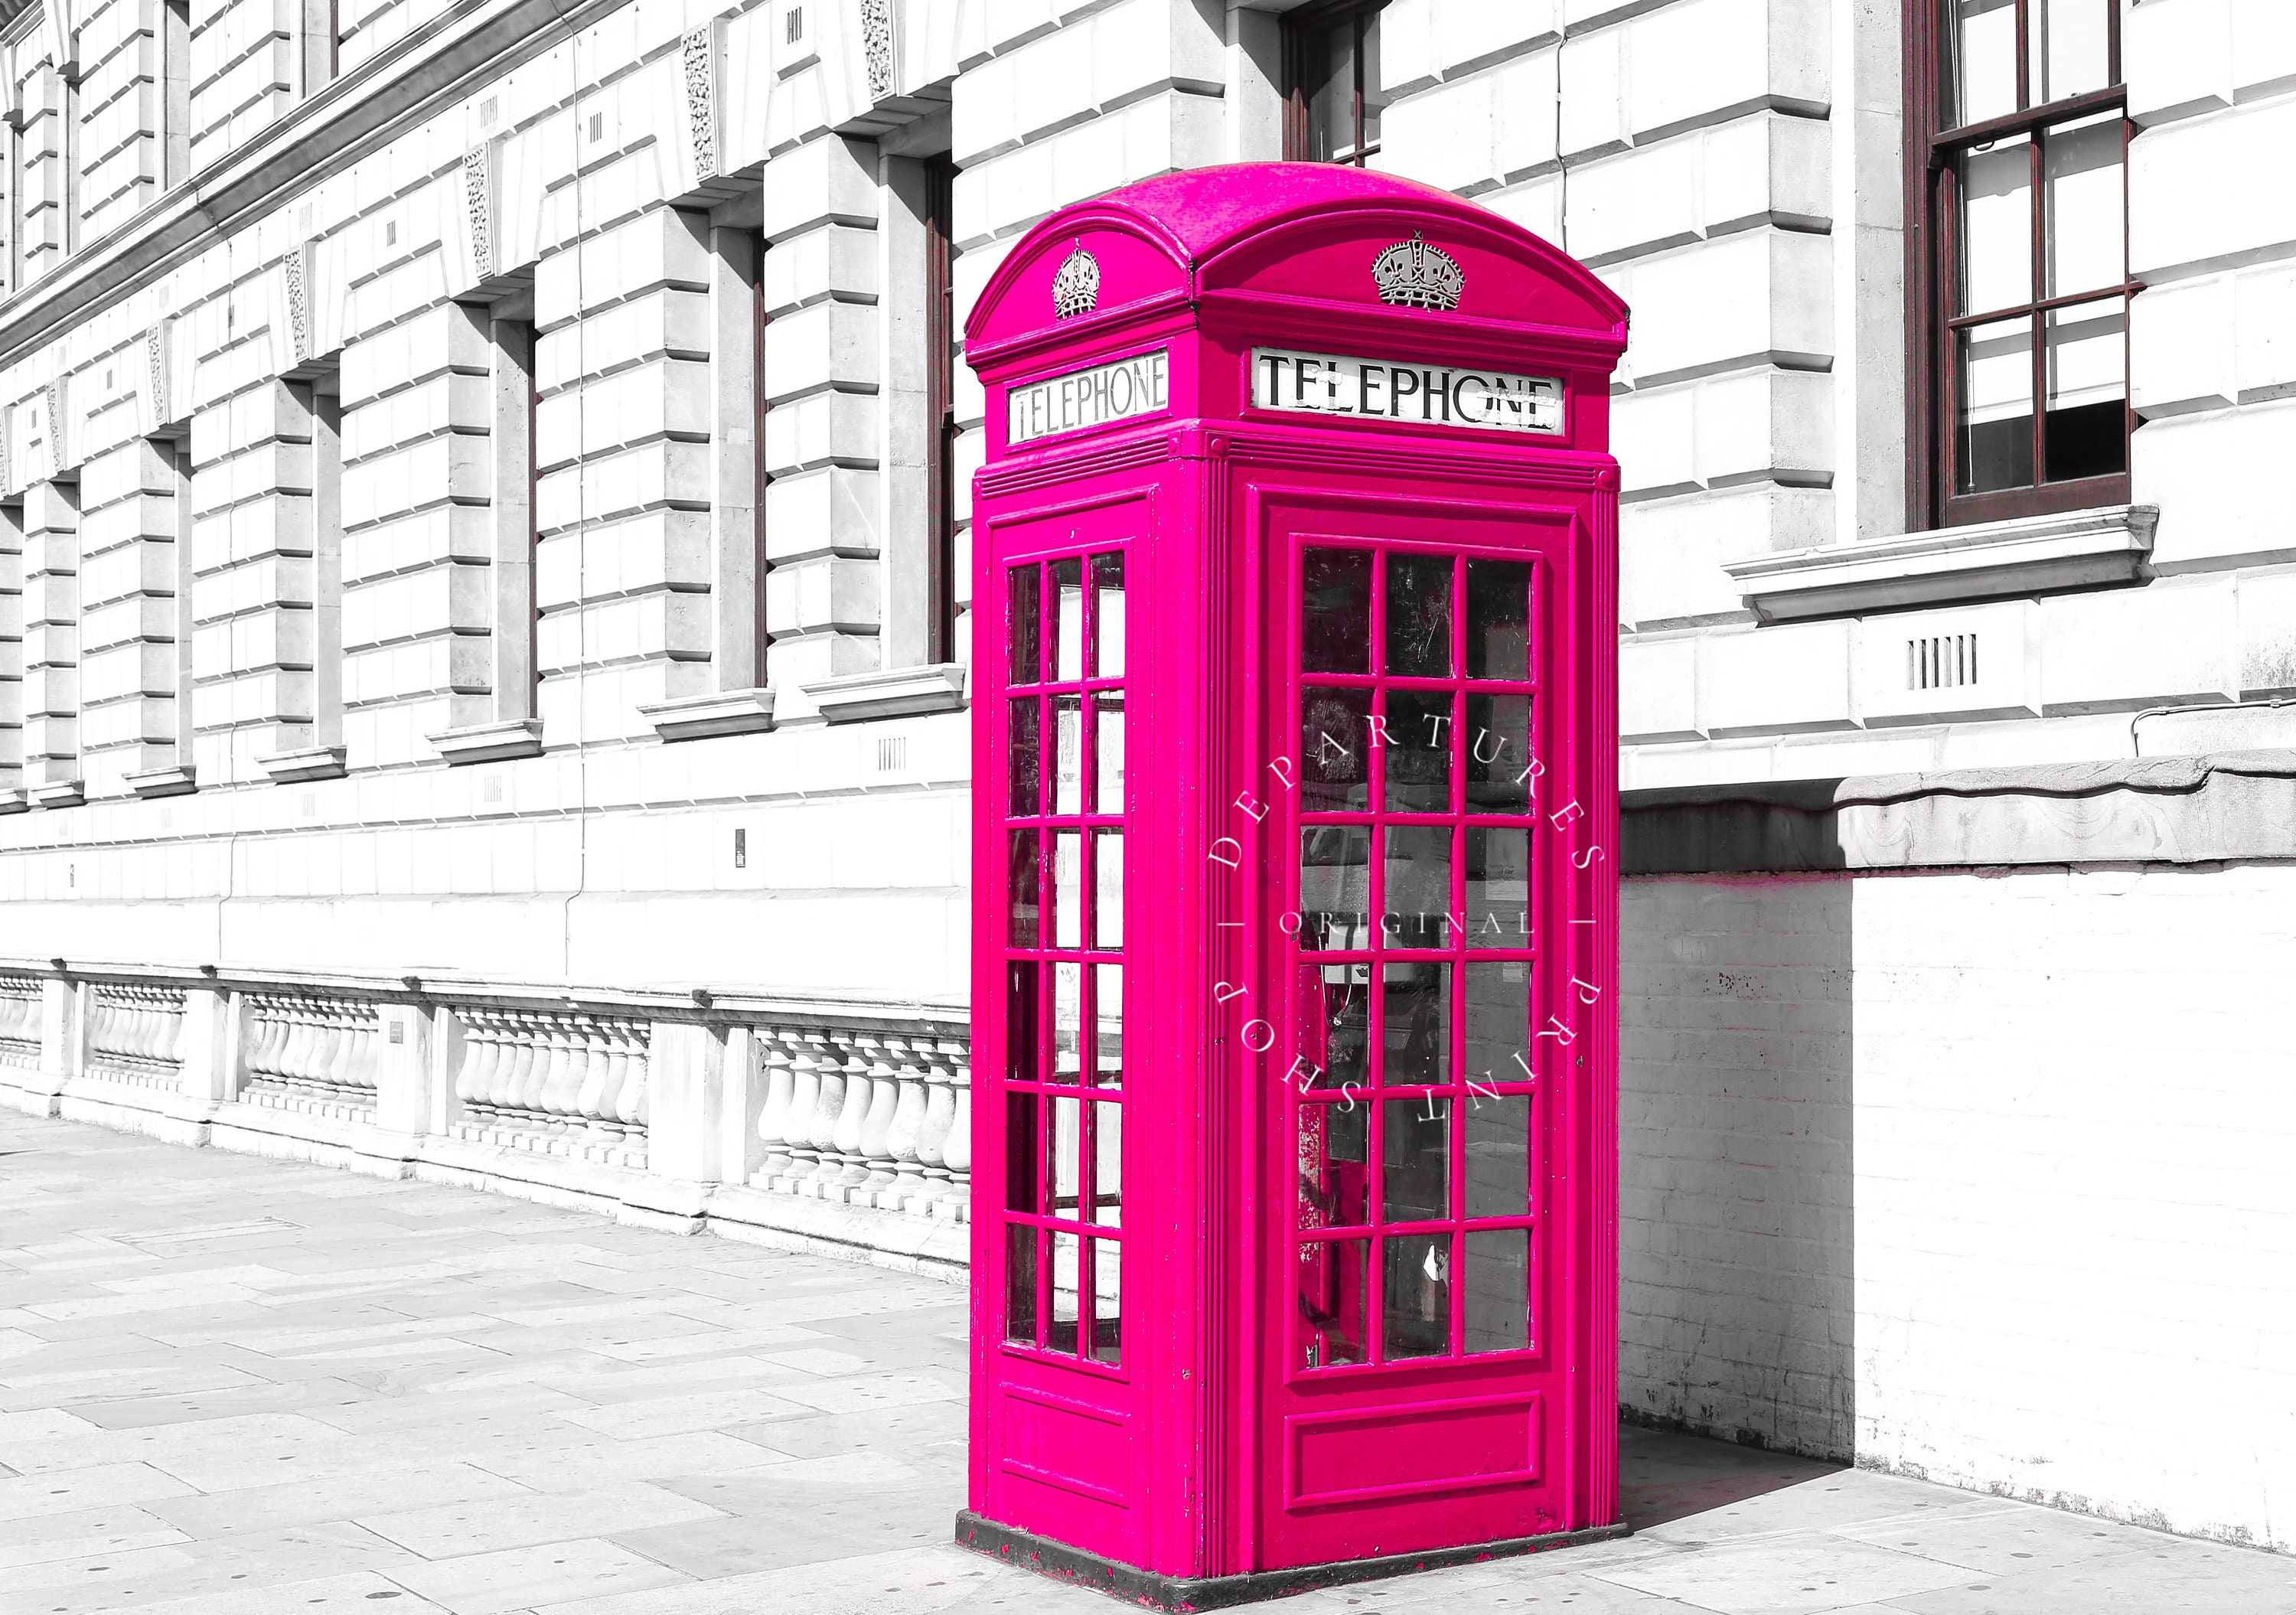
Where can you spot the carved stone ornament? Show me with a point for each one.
(155, 351)
(298, 306)
(877, 42)
(476, 172)
(701, 103)
(1076, 287)
(55, 405)
(1412, 274)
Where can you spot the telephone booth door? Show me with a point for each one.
(1412, 1395)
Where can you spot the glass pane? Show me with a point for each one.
(1108, 889)
(1068, 620)
(1107, 1301)
(1068, 888)
(1023, 611)
(1498, 888)
(1367, 79)
(1108, 630)
(1996, 225)
(1335, 886)
(1498, 1155)
(1421, 730)
(2085, 432)
(1415, 1033)
(1024, 1185)
(1418, 886)
(1993, 378)
(1108, 1165)
(1326, 69)
(1108, 1020)
(1022, 1026)
(1495, 1019)
(1067, 1151)
(1335, 750)
(1060, 1328)
(1335, 611)
(1498, 754)
(1498, 619)
(1498, 1285)
(1419, 616)
(1108, 753)
(1067, 754)
(1026, 773)
(1984, 60)
(1334, 1009)
(1335, 1285)
(2086, 207)
(1417, 1302)
(1334, 1165)
(1020, 1283)
(1067, 1014)
(2070, 55)
(1020, 880)
(1415, 1172)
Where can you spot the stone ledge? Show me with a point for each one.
(2201, 809)
(168, 781)
(59, 793)
(893, 693)
(489, 743)
(1949, 565)
(308, 763)
(719, 712)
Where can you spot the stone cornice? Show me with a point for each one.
(472, 43)
(2199, 809)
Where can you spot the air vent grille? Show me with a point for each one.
(1942, 661)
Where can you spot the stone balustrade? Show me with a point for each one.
(825, 1124)
(306, 1050)
(568, 1083)
(19, 1021)
(136, 1032)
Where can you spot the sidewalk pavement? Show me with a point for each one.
(238, 1386)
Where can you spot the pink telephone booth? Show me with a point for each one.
(1294, 914)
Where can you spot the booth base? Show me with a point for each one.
(1145, 1589)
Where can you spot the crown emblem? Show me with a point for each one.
(1076, 287)
(1412, 274)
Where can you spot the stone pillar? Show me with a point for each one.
(63, 1034)
(253, 694)
(41, 189)
(11, 659)
(418, 535)
(127, 580)
(51, 626)
(688, 1101)
(623, 562)
(405, 1069)
(204, 1046)
(822, 453)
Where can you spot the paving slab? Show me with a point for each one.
(230, 1386)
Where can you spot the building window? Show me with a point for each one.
(1332, 91)
(2018, 258)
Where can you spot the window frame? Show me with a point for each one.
(1931, 244)
(1296, 25)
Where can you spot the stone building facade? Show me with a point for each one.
(483, 630)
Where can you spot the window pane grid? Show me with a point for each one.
(1063, 1081)
(1408, 1104)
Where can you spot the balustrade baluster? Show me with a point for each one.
(901, 1139)
(779, 1073)
(876, 1163)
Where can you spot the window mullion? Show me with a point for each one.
(2037, 168)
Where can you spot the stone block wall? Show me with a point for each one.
(1934, 1170)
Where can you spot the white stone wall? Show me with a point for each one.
(1980, 1175)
